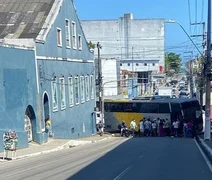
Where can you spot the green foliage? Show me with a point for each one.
(91, 45)
(172, 62)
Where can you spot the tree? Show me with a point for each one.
(91, 45)
(172, 62)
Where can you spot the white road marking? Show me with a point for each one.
(205, 158)
(123, 173)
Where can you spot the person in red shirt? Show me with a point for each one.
(189, 129)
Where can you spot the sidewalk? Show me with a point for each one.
(206, 145)
(54, 145)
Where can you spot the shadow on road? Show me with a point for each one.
(140, 155)
(109, 164)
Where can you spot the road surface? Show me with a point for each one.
(114, 159)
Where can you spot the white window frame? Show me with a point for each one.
(87, 85)
(82, 88)
(91, 87)
(71, 91)
(62, 93)
(59, 41)
(67, 31)
(79, 42)
(74, 35)
(76, 84)
(54, 99)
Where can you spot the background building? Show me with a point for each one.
(138, 44)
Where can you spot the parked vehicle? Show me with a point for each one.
(165, 91)
(126, 132)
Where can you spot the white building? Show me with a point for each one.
(129, 39)
(139, 65)
(110, 77)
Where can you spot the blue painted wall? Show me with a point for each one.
(71, 117)
(64, 121)
(18, 87)
(17, 90)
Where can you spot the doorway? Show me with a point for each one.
(29, 121)
(46, 105)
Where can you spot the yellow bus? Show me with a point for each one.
(182, 109)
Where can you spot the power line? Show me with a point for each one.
(202, 10)
(189, 14)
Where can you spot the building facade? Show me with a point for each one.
(110, 77)
(138, 44)
(127, 38)
(47, 72)
(129, 86)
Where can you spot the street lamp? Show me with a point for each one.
(207, 133)
(176, 22)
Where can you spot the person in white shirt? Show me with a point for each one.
(141, 128)
(176, 127)
(154, 128)
(133, 126)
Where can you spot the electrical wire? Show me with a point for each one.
(189, 15)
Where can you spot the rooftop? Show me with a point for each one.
(23, 18)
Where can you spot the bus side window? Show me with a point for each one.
(175, 111)
(107, 107)
(149, 108)
(164, 108)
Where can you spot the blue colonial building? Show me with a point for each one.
(46, 71)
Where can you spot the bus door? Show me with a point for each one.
(176, 113)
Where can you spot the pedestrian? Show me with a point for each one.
(185, 129)
(176, 127)
(154, 128)
(141, 128)
(133, 126)
(146, 128)
(158, 122)
(100, 128)
(48, 126)
(189, 129)
(161, 131)
(167, 127)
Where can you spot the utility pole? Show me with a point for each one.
(99, 75)
(202, 79)
(207, 133)
(132, 70)
(202, 73)
(189, 56)
(191, 78)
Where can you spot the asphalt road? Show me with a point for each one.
(114, 159)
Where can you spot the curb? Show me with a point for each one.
(70, 144)
(205, 148)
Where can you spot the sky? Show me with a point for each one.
(183, 11)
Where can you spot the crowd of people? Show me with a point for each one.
(161, 127)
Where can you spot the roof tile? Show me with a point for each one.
(23, 18)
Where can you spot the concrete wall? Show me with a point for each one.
(110, 77)
(17, 91)
(126, 37)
